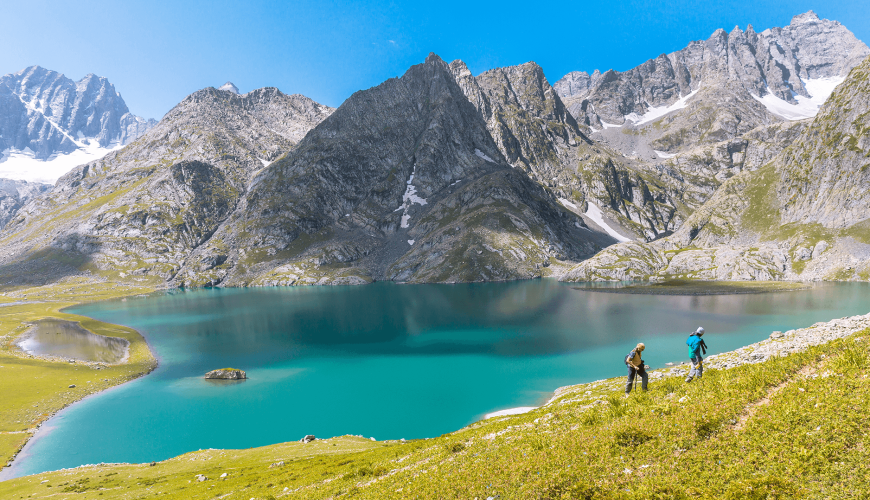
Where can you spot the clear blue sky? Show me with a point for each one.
(156, 52)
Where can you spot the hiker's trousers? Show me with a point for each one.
(632, 373)
(697, 367)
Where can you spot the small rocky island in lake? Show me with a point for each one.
(226, 374)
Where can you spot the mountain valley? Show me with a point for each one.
(443, 176)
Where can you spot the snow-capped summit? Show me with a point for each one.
(49, 123)
(229, 87)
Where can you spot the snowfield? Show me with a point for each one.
(22, 166)
(820, 89)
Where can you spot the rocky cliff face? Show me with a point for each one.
(804, 215)
(717, 89)
(47, 113)
(693, 176)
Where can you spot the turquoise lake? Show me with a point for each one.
(385, 360)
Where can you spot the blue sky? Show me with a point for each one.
(156, 52)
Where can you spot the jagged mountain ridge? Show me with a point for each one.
(48, 113)
(535, 133)
(803, 215)
(402, 182)
(203, 212)
(715, 89)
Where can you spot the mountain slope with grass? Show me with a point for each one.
(801, 216)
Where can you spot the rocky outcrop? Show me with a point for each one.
(535, 133)
(226, 374)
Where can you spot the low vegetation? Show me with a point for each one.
(790, 427)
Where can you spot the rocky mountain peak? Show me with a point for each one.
(433, 58)
(229, 87)
(743, 80)
(806, 17)
(46, 114)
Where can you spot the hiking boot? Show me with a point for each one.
(689, 379)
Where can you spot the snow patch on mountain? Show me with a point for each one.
(409, 198)
(229, 87)
(481, 154)
(594, 213)
(656, 112)
(807, 107)
(22, 165)
(662, 154)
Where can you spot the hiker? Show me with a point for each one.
(636, 367)
(697, 347)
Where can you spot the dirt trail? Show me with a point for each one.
(752, 408)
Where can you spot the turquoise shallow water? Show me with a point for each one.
(384, 360)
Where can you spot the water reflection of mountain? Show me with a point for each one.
(524, 318)
(67, 339)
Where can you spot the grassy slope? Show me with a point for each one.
(33, 389)
(790, 427)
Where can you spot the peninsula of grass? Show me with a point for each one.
(34, 388)
(793, 426)
(697, 287)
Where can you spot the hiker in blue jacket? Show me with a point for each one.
(697, 347)
(636, 367)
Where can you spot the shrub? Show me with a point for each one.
(631, 437)
(454, 447)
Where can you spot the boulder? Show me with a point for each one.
(226, 374)
(307, 439)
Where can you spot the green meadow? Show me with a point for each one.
(35, 388)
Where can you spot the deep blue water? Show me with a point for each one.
(385, 360)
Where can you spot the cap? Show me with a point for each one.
(700, 330)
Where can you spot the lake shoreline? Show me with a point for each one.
(700, 288)
(139, 359)
(555, 393)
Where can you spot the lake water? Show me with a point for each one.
(384, 360)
